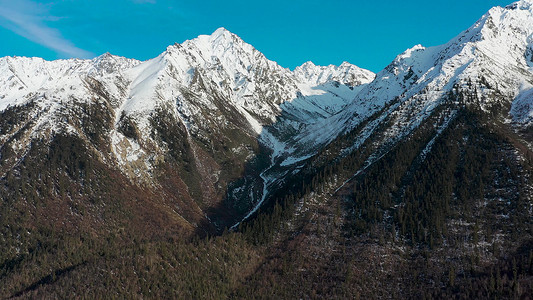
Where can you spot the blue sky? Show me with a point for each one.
(366, 33)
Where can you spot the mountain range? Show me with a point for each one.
(310, 178)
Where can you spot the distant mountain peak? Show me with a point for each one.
(221, 36)
(346, 73)
(346, 64)
(105, 55)
(307, 64)
(221, 32)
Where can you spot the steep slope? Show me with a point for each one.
(485, 72)
(490, 60)
(426, 191)
(486, 66)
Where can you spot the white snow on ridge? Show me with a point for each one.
(21, 78)
(492, 59)
(522, 108)
(346, 73)
(488, 59)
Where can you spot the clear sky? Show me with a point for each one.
(366, 33)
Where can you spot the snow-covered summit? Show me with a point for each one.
(219, 65)
(491, 62)
(221, 48)
(240, 74)
(345, 73)
(522, 4)
(220, 39)
(23, 78)
(108, 63)
(494, 54)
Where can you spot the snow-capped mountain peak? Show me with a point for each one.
(108, 63)
(522, 5)
(345, 73)
(220, 44)
(489, 65)
(222, 36)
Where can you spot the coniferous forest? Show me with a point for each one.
(453, 222)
